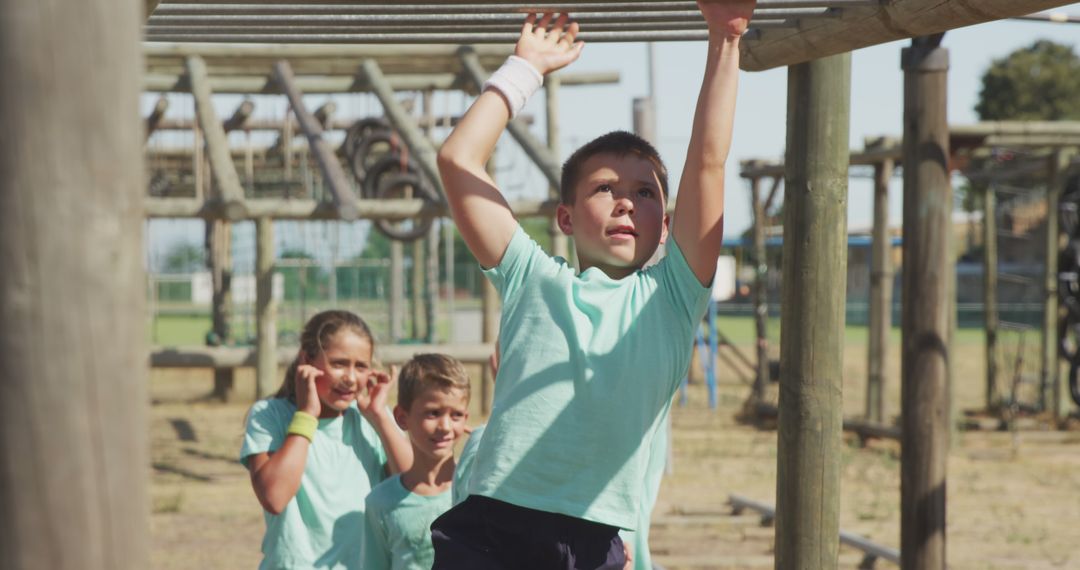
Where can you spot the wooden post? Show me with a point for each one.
(417, 290)
(812, 333)
(1055, 186)
(559, 241)
(990, 282)
(266, 369)
(881, 284)
(219, 247)
(73, 410)
(240, 116)
(431, 290)
(451, 288)
(332, 172)
(761, 302)
(152, 122)
(227, 181)
(539, 153)
(926, 321)
(397, 290)
(420, 147)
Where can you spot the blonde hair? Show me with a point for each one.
(427, 371)
(316, 334)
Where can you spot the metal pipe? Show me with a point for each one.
(420, 37)
(458, 18)
(348, 6)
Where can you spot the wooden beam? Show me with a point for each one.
(871, 25)
(152, 121)
(1058, 168)
(242, 80)
(560, 242)
(990, 283)
(266, 366)
(240, 116)
(881, 286)
(257, 58)
(333, 173)
(217, 144)
(928, 259)
(420, 146)
(74, 441)
(548, 164)
(396, 303)
(760, 292)
(304, 209)
(812, 312)
(242, 357)
(219, 250)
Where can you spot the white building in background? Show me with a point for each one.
(243, 288)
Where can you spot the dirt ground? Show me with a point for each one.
(1013, 498)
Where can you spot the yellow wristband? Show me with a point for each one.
(304, 424)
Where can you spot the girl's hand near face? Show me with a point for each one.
(307, 397)
(372, 397)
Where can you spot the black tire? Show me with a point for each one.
(361, 129)
(399, 185)
(370, 150)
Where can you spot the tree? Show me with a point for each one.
(1040, 82)
(184, 257)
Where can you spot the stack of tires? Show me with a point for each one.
(380, 162)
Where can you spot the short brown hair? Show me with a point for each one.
(427, 371)
(619, 143)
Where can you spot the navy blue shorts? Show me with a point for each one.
(485, 534)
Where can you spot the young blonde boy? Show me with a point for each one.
(589, 361)
(433, 402)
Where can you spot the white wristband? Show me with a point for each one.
(516, 80)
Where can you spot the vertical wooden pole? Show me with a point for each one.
(431, 290)
(926, 323)
(73, 378)
(990, 282)
(1051, 380)
(266, 368)
(219, 242)
(559, 241)
(451, 289)
(812, 333)
(198, 167)
(489, 326)
(881, 280)
(397, 290)
(761, 303)
(417, 290)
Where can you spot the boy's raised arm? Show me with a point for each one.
(480, 211)
(699, 212)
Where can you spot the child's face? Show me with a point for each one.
(435, 421)
(346, 366)
(617, 218)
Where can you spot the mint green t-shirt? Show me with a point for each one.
(323, 525)
(587, 366)
(397, 535)
(463, 470)
(639, 538)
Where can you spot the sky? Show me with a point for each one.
(588, 111)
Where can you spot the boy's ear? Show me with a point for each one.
(664, 228)
(399, 416)
(562, 217)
